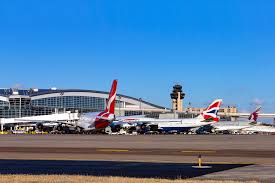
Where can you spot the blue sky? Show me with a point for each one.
(215, 49)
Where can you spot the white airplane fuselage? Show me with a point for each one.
(182, 125)
(167, 125)
(260, 128)
(87, 121)
(229, 128)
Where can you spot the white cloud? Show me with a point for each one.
(18, 86)
(257, 102)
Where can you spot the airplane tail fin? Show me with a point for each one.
(110, 108)
(211, 112)
(104, 118)
(254, 116)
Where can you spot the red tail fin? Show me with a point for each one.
(211, 112)
(112, 99)
(255, 114)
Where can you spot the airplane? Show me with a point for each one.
(245, 126)
(87, 122)
(208, 116)
(230, 126)
(98, 121)
(258, 127)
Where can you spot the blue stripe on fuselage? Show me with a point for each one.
(178, 129)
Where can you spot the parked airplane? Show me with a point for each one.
(86, 122)
(259, 129)
(230, 126)
(251, 126)
(98, 121)
(209, 116)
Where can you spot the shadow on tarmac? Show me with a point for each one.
(110, 168)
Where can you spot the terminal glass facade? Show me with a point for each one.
(24, 106)
(35, 102)
(3, 103)
(72, 102)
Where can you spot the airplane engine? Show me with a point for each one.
(40, 126)
(59, 128)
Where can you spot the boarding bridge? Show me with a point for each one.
(63, 117)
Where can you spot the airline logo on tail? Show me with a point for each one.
(254, 116)
(107, 116)
(211, 113)
(112, 99)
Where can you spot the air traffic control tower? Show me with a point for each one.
(177, 97)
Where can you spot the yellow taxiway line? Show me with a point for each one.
(112, 150)
(198, 151)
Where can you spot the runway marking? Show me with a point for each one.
(198, 151)
(142, 151)
(112, 150)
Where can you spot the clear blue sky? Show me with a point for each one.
(215, 49)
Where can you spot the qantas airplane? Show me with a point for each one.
(86, 122)
(209, 116)
(97, 121)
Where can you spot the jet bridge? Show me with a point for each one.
(62, 117)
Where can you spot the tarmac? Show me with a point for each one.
(231, 157)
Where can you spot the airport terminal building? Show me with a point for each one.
(16, 103)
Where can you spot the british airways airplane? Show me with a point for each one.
(208, 116)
